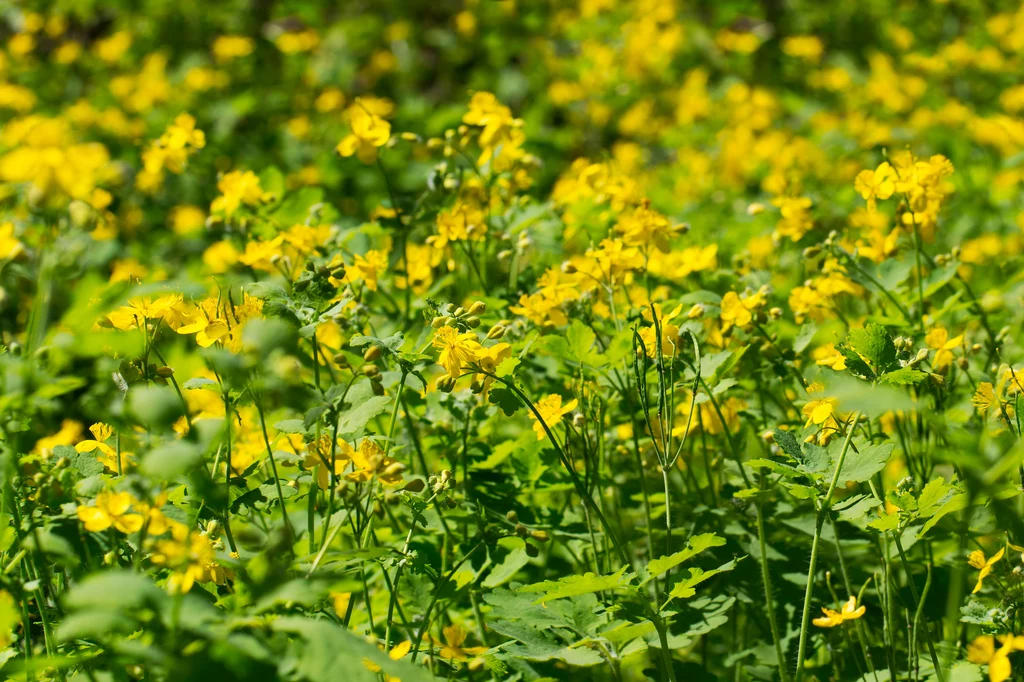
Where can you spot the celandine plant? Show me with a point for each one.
(512, 340)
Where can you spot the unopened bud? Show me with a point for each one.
(696, 312)
(165, 372)
(496, 332)
(512, 516)
(540, 535)
(478, 308)
(568, 268)
(372, 353)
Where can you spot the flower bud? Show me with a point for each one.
(478, 308)
(165, 372)
(372, 353)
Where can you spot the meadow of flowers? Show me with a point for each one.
(511, 340)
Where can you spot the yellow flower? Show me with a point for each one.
(738, 310)
(977, 560)
(877, 184)
(828, 356)
(369, 461)
(226, 48)
(832, 618)
(985, 397)
(368, 131)
(111, 510)
(551, 412)
(108, 455)
(10, 247)
(318, 453)
(367, 268)
(983, 651)
(938, 338)
(456, 350)
(454, 636)
(168, 308)
(208, 330)
(238, 188)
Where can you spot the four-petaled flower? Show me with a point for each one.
(850, 611)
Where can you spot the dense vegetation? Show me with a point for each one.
(511, 340)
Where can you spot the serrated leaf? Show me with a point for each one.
(953, 504)
(861, 465)
(788, 442)
(684, 589)
(885, 523)
(874, 343)
(695, 545)
(575, 585)
(363, 406)
(505, 399)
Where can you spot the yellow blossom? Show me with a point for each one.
(850, 611)
(551, 412)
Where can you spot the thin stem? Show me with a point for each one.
(823, 511)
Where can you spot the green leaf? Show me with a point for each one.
(170, 460)
(115, 589)
(505, 399)
(696, 545)
(875, 344)
(953, 504)
(510, 565)
(363, 406)
(580, 340)
(905, 376)
(886, 523)
(788, 442)
(84, 462)
(506, 367)
(199, 382)
(329, 648)
(976, 613)
(861, 466)
(684, 589)
(574, 585)
(291, 426)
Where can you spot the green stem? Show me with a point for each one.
(769, 601)
(822, 514)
